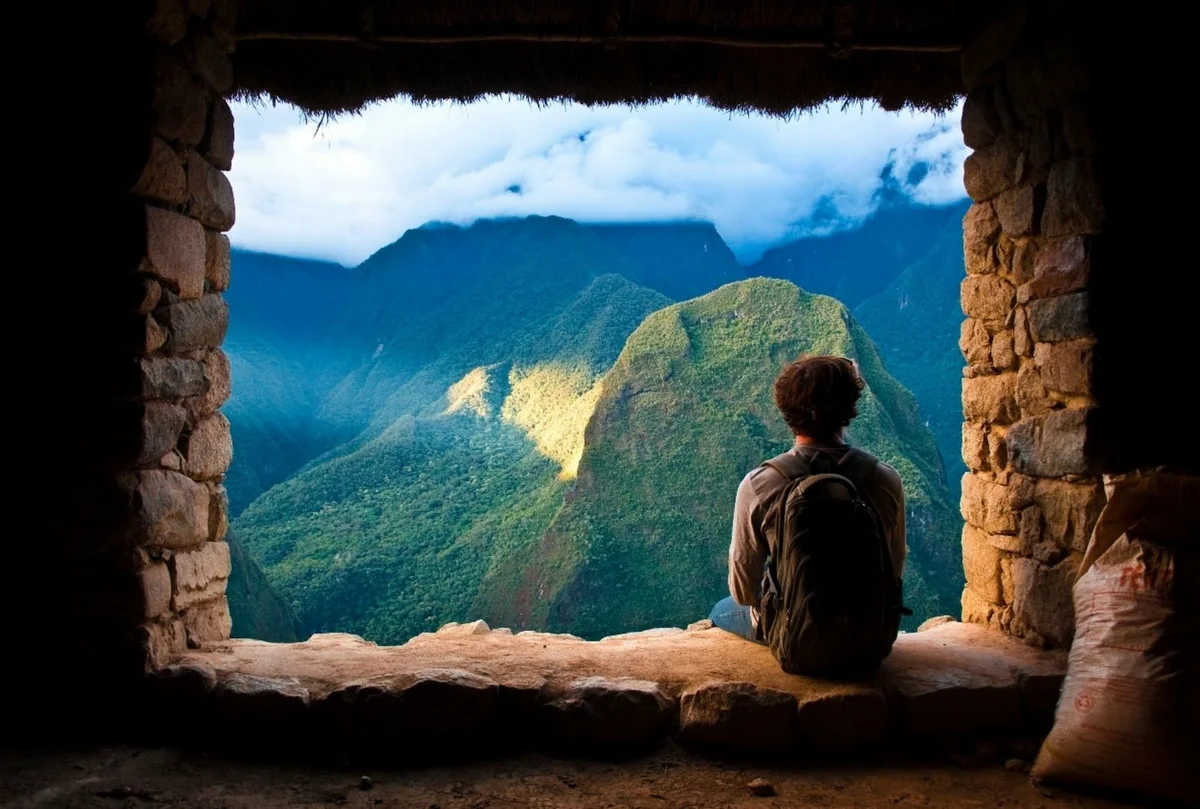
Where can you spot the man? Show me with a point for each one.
(817, 396)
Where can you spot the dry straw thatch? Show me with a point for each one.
(331, 56)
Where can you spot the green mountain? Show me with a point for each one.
(284, 363)
(257, 609)
(685, 412)
(394, 537)
(915, 321)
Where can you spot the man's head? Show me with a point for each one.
(818, 396)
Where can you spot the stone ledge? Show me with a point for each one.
(454, 691)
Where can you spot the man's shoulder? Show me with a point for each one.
(885, 475)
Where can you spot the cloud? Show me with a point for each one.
(348, 187)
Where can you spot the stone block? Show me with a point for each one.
(599, 712)
(1062, 318)
(987, 297)
(1069, 510)
(981, 563)
(1023, 263)
(1004, 354)
(146, 295)
(218, 512)
(832, 722)
(208, 449)
(171, 378)
(217, 146)
(185, 599)
(194, 325)
(163, 178)
(422, 712)
(990, 398)
(217, 260)
(975, 342)
(989, 506)
(737, 715)
(937, 620)
(196, 569)
(210, 196)
(160, 641)
(1022, 344)
(161, 424)
(180, 105)
(175, 251)
(1067, 366)
(1042, 599)
(981, 227)
(250, 711)
(1017, 211)
(974, 446)
(1061, 266)
(978, 610)
(168, 21)
(997, 452)
(1052, 445)
(980, 122)
(1032, 397)
(477, 627)
(211, 63)
(180, 696)
(168, 509)
(957, 678)
(990, 170)
(207, 622)
(156, 589)
(1074, 202)
(1031, 528)
(151, 335)
(218, 377)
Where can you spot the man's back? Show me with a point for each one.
(757, 494)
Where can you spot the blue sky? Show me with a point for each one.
(343, 190)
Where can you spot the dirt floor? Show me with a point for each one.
(132, 778)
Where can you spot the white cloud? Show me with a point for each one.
(347, 188)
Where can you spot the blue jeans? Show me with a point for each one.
(733, 617)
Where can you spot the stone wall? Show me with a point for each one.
(124, 562)
(1033, 491)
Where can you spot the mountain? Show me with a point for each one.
(394, 536)
(283, 363)
(853, 265)
(432, 435)
(679, 259)
(923, 300)
(685, 412)
(256, 607)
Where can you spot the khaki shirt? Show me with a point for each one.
(748, 551)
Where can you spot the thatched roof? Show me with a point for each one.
(776, 57)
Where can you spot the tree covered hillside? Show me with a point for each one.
(516, 421)
(685, 412)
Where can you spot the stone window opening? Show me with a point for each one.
(1040, 336)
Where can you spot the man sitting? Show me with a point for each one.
(818, 535)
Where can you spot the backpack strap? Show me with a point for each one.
(858, 466)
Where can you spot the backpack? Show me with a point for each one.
(831, 599)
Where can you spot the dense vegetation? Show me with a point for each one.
(512, 421)
(683, 415)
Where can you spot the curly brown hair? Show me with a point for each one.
(818, 395)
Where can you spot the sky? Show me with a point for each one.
(342, 189)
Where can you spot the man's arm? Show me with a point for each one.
(748, 549)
